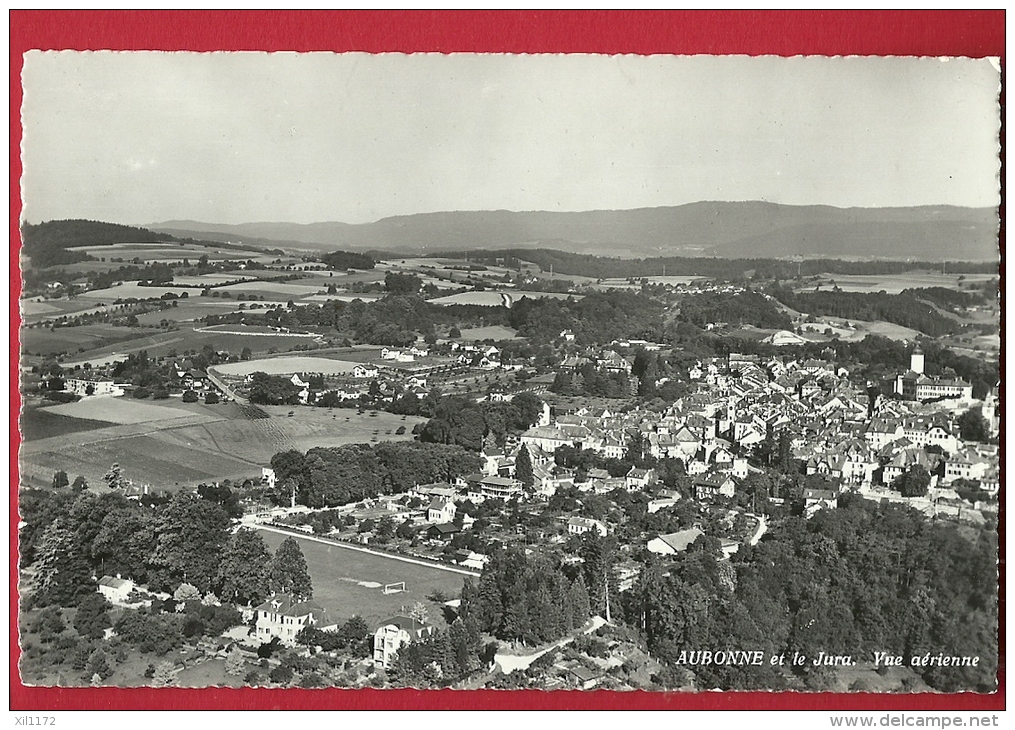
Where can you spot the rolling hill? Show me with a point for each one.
(723, 229)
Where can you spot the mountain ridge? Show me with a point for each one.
(705, 228)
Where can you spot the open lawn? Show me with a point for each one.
(349, 583)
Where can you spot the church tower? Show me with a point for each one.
(916, 361)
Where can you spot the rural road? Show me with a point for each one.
(762, 529)
(509, 662)
(357, 548)
(224, 388)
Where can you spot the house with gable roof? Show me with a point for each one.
(282, 616)
(393, 634)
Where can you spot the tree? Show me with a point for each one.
(165, 675)
(972, 426)
(92, 618)
(454, 333)
(60, 480)
(235, 664)
(523, 467)
(186, 592)
(60, 573)
(396, 283)
(190, 533)
(913, 482)
(190, 396)
(114, 478)
(211, 398)
(289, 571)
(418, 612)
(80, 484)
(244, 571)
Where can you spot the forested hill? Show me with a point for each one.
(49, 243)
(724, 229)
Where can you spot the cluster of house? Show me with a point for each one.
(283, 616)
(401, 371)
(740, 402)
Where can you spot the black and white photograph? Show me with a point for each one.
(521, 372)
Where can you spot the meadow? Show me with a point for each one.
(349, 583)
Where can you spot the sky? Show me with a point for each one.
(139, 137)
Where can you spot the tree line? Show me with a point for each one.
(329, 477)
(68, 540)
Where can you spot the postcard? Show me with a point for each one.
(545, 373)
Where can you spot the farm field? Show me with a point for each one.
(208, 279)
(133, 290)
(157, 343)
(287, 365)
(895, 283)
(494, 332)
(349, 583)
(150, 459)
(497, 298)
(38, 423)
(119, 409)
(274, 289)
(167, 251)
(257, 440)
(190, 443)
(73, 339)
(189, 310)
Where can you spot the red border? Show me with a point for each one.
(958, 33)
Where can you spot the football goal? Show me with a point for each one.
(390, 588)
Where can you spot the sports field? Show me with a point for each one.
(349, 583)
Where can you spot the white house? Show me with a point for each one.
(581, 525)
(675, 542)
(395, 633)
(365, 371)
(282, 616)
(441, 510)
(84, 386)
(115, 590)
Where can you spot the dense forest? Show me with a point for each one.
(849, 581)
(348, 260)
(737, 309)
